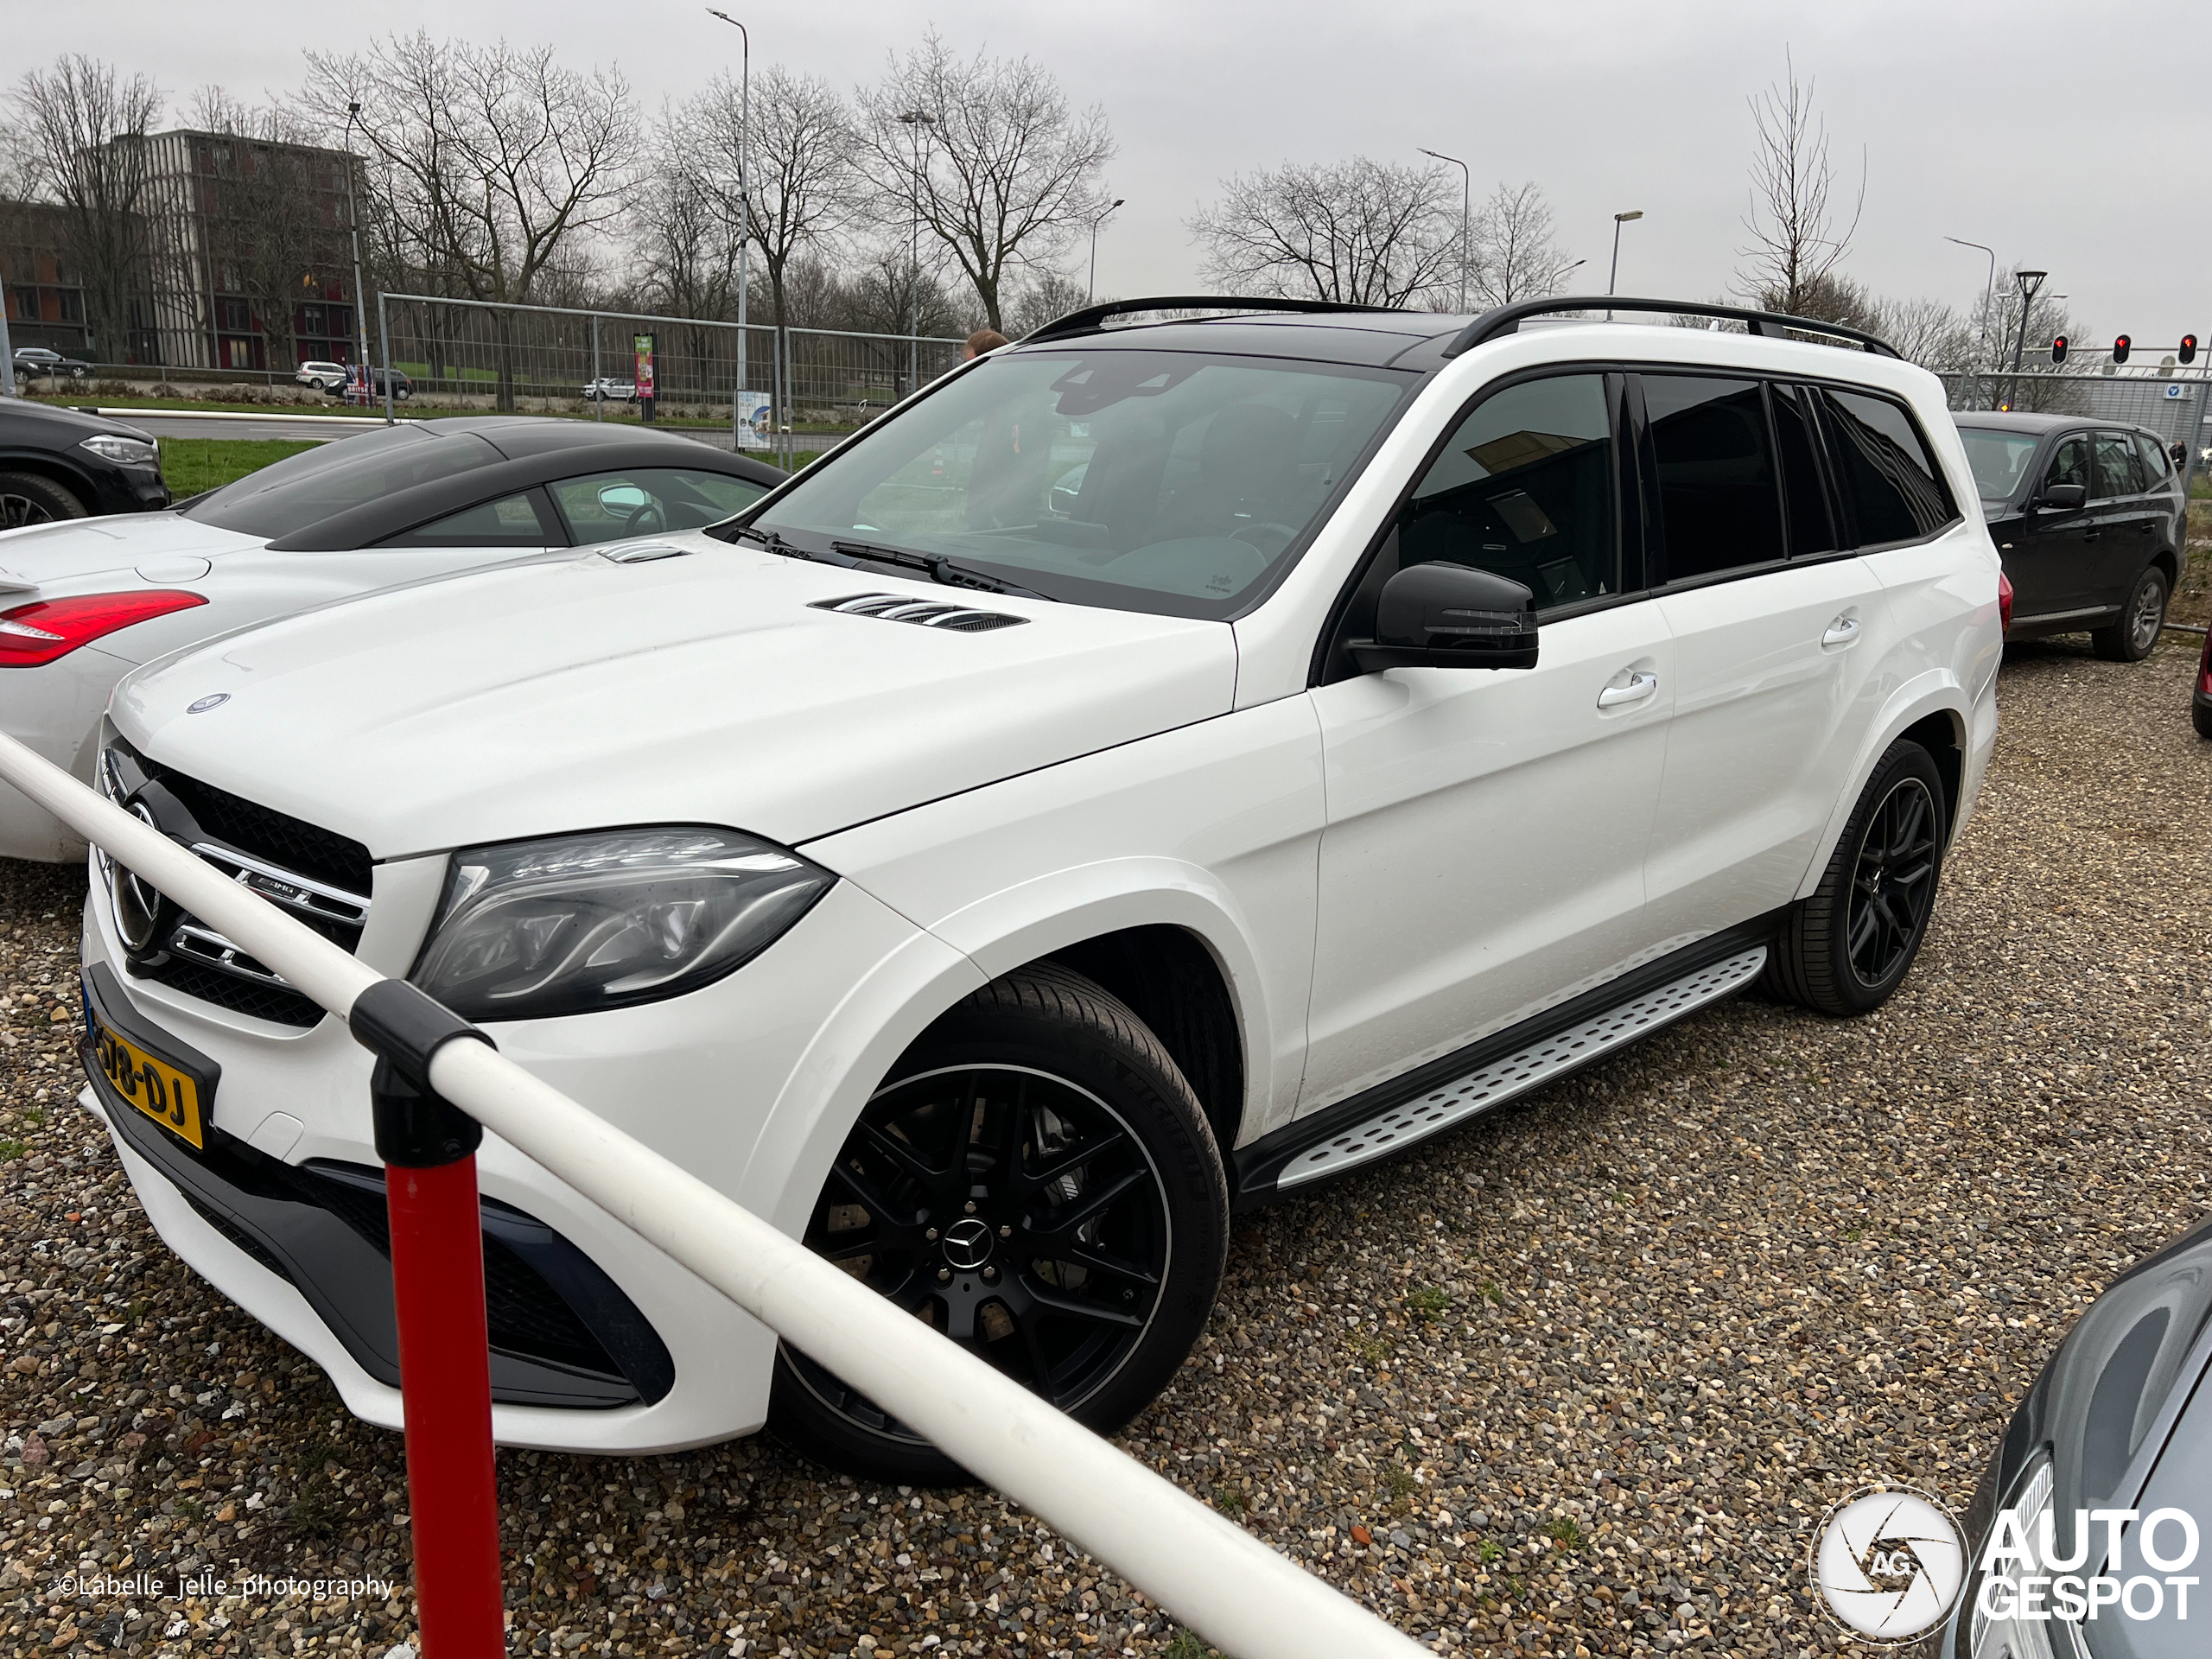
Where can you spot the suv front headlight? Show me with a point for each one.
(128, 452)
(571, 924)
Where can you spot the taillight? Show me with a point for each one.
(35, 634)
(2204, 667)
(2004, 602)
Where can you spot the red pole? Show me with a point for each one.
(445, 1380)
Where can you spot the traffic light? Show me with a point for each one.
(2187, 353)
(2059, 351)
(2119, 348)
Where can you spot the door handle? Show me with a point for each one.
(2091, 535)
(1640, 685)
(1843, 631)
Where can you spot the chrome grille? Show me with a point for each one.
(319, 877)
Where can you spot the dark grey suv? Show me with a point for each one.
(2087, 517)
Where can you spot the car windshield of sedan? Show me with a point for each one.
(308, 488)
(1999, 460)
(1174, 482)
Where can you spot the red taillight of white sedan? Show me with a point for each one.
(2004, 602)
(37, 633)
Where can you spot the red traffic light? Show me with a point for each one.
(2119, 348)
(2187, 353)
(2058, 350)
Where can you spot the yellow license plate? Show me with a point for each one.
(153, 1085)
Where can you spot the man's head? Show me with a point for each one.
(983, 340)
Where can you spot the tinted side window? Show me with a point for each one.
(2116, 474)
(1719, 498)
(2156, 470)
(1525, 488)
(648, 501)
(511, 521)
(1803, 495)
(1894, 492)
(2070, 464)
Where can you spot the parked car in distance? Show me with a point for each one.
(323, 377)
(995, 877)
(62, 463)
(2087, 517)
(606, 391)
(2117, 1424)
(81, 604)
(36, 362)
(2200, 698)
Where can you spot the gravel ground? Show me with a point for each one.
(1575, 1380)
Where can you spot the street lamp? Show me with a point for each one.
(1613, 275)
(354, 223)
(1090, 289)
(744, 198)
(2029, 281)
(1466, 219)
(1988, 297)
(916, 121)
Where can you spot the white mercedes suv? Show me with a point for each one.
(1161, 765)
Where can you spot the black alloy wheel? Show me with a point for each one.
(1843, 951)
(1894, 885)
(28, 499)
(1037, 1183)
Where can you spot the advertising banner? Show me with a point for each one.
(643, 376)
(750, 419)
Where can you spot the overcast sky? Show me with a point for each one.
(2075, 138)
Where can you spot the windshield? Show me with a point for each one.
(1165, 481)
(1999, 460)
(306, 488)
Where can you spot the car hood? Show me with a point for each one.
(710, 688)
(41, 556)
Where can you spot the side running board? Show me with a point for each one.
(1392, 1128)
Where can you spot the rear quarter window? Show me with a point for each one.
(1884, 467)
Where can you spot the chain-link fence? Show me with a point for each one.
(792, 390)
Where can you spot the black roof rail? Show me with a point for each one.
(1088, 320)
(1506, 319)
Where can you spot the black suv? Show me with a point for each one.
(2087, 517)
(60, 463)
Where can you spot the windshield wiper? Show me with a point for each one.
(948, 572)
(775, 544)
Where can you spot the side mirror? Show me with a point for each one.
(1440, 616)
(2063, 497)
(621, 497)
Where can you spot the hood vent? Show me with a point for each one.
(923, 613)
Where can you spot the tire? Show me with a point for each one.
(2135, 636)
(1846, 948)
(1042, 1060)
(29, 498)
(2200, 715)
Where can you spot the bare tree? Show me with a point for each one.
(1795, 243)
(500, 162)
(686, 239)
(1927, 332)
(2036, 388)
(1359, 232)
(986, 158)
(78, 137)
(272, 222)
(1517, 254)
(1045, 297)
(802, 153)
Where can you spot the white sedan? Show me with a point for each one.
(84, 601)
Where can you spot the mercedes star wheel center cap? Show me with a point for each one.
(967, 1244)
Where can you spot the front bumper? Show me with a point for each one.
(749, 1083)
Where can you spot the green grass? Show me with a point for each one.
(1428, 1305)
(191, 465)
(202, 406)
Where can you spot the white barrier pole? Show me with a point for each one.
(1209, 1573)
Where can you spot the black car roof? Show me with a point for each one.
(1993, 420)
(1356, 339)
(537, 450)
